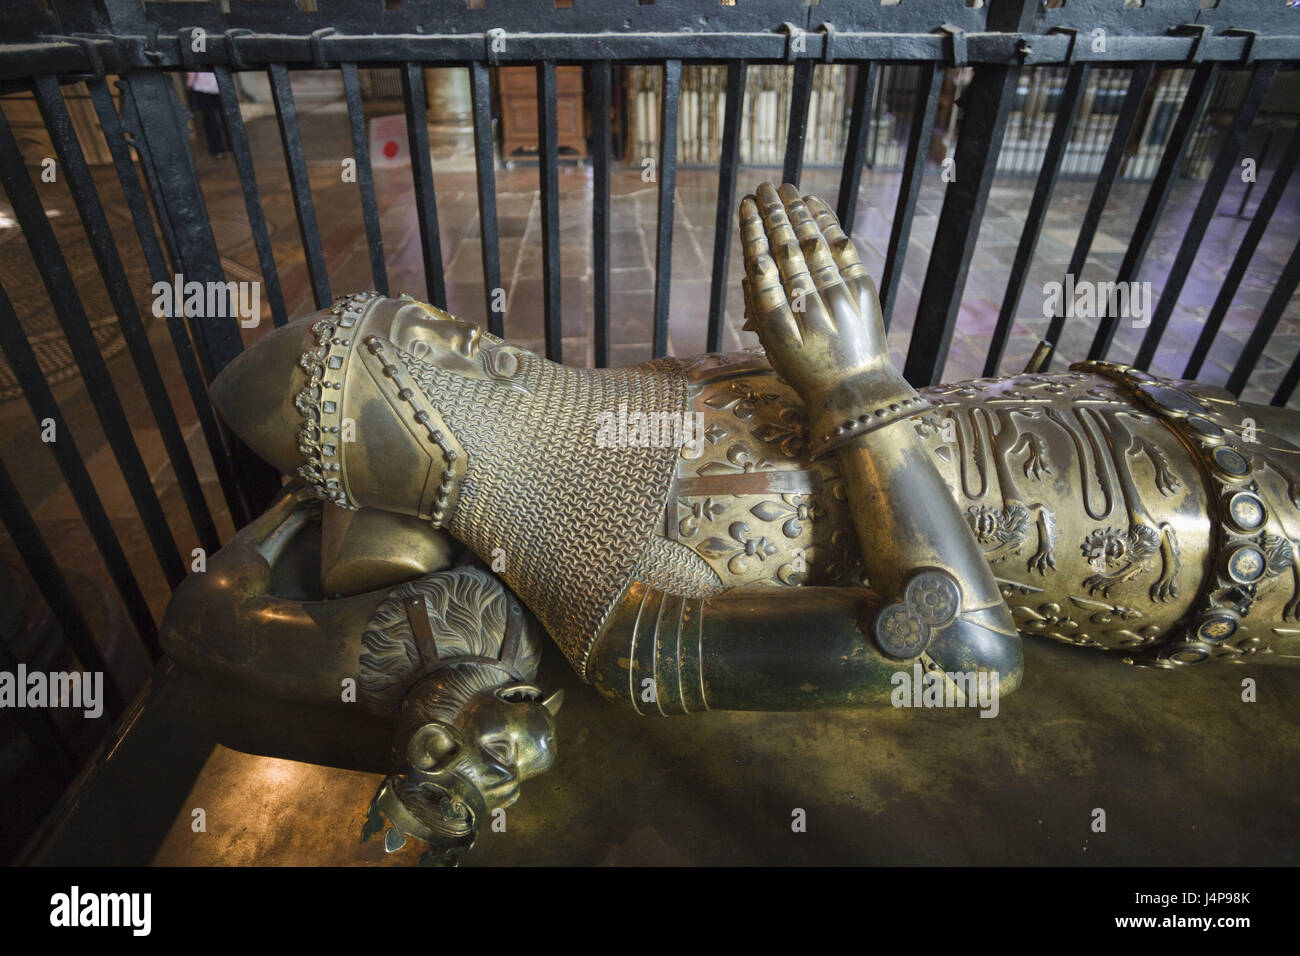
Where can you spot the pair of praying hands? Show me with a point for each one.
(815, 310)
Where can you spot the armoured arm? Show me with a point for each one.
(766, 648)
(247, 616)
(816, 312)
(227, 621)
(931, 597)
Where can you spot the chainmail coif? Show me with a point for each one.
(571, 518)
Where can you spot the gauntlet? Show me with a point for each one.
(819, 320)
(815, 310)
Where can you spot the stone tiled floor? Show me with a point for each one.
(338, 210)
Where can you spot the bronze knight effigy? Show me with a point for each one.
(779, 529)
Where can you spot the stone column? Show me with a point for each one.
(451, 117)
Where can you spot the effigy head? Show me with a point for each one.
(330, 398)
(434, 336)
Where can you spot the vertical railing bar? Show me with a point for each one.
(1267, 323)
(1241, 261)
(365, 175)
(186, 354)
(132, 123)
(485, 160)
(160, 132)
(909, 188)
(549, 175)
(1289, 383)
(1067, 108)
(797, 129)
(162, 135)
(252, 199)
(58, 282)
(58, 123)
(601, 95)
(988, 103)
(113, 130)
(47, 574)
(1287, 388)
(1110, 166)
(295, 159)
(27, 370)
(1260, 81)
(855, 150)
(668, 107)
(114, 135)
(417, 134)
(876, 104)
(728, 169)
(1161, 186)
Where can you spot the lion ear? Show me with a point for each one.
(554, 702)
(432, 746)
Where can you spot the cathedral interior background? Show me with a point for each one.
(507, 161)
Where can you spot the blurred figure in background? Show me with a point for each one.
(206, 99)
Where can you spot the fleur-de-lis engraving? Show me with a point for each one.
(743, 400)
(698, 511)
(844, 565)
(787, 433)
(1131, 640)
(713, 434)
(740, 549)
(739, 461)
(795, 572)
(796, 509)
(1278, 553)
